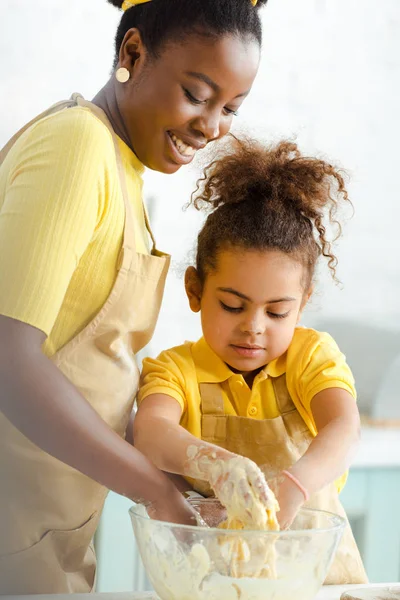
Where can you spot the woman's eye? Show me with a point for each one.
(231, 112)
(233, 309)
(228, 111)
(278, 315)
(191, 98)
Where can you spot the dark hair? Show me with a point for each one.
(160, 21)
(269, 198)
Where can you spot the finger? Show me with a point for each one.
(255, 474)
(245, 495)
(260, 488)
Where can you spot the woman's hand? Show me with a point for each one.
(211, 511)
(173, 508)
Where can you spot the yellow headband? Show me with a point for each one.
(127, 4)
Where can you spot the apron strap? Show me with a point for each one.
(283, 400)
(212, 401)
(287, 408)
(153, 239)
(128, 249)
(49, 111)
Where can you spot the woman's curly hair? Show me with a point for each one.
(269, 198)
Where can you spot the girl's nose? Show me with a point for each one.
(254, 325)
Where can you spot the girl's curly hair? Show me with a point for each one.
(269, 198)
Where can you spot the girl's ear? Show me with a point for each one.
(193, 288)
(306, 296)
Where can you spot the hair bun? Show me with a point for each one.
(293, 192)
(278, 176)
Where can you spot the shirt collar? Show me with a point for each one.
(124, 148)
(130, 157)
(277, 367)
(211, 369)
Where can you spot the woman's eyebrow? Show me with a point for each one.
(205, 79)
(244, 297)
(210, 82)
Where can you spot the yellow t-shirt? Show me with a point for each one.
(312, 363)
(61, 222)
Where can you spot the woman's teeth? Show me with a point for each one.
(183, 148)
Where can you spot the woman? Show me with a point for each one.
(81, 285)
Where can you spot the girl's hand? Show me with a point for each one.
(241, 487)
(290, 499)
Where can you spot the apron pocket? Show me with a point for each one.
(62, 561)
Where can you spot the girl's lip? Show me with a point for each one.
(246, 351)
(178, 158)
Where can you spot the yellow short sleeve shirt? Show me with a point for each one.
(312, 363)
(61, 222)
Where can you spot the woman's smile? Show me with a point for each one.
(182, 153)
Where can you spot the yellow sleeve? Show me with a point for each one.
(324, 367)
(317, 365)
(163, 375)
(314, 364)
(53, 184)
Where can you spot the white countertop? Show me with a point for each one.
(328, 592)
(379, 447)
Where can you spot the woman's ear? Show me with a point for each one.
(133, 54)
(193, 288)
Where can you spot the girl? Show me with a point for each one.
(257, 388)
(81, 283)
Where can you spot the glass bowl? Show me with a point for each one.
(185, 562)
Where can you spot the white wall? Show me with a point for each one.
(330, 76)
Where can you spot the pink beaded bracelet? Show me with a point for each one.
(297, 482)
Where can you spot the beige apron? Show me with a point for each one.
(276, 444)
(49, 511)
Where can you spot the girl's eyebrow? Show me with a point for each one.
(243, 297)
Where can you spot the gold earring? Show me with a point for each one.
(122, 75)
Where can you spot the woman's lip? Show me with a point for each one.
(196, 144)
(245, 351)
(178, 158)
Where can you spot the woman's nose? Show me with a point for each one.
(209, 124)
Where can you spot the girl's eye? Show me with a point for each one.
(232, 309)
(278, 315)
(191, 98)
